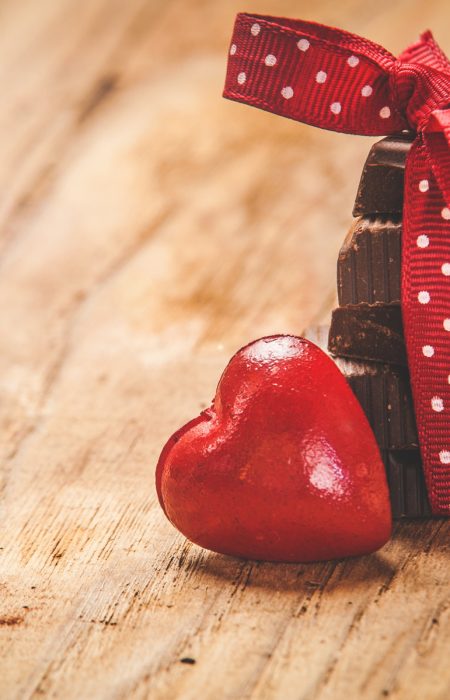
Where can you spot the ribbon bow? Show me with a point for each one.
(335, 80)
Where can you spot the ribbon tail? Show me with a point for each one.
(426, 319)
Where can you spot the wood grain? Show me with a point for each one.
(147, 230)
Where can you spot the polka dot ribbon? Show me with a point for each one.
(335, 80)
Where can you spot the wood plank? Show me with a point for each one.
(148, 229)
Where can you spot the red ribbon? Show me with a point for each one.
(335, 80)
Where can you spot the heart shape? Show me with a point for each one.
(283, 466)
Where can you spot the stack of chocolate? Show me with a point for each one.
(366, 333)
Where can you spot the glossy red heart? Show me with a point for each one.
(283, 466)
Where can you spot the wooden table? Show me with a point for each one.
(148, 229)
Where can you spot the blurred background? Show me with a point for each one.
(116, 139)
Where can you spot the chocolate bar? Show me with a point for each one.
(380, 190)
(369, 263)
(368, 332)
(384, 393)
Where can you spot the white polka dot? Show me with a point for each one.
(303, 44)
(445, 213)
(424, 185)
(321, 76)
(446, 324)
(423, 297)
(336, 107)
(385, 112)
(287, 93)
(255, 29)
(353, 61)
(423, 241)
(233, 49)
(444, 456)
(241, 78)
(366, 91)
(437, 404)
(270, 60)
(445, 269)
(428, 350)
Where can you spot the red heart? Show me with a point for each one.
(283, 466)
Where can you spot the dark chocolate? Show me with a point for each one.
(381, 186)
(368, 332)
(368, 324)
(369, 263)
(406, 482)
(384, 393)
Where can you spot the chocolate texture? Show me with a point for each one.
(384, 393)
(369, 263)
(406, 481)
(381, 186)
(368, 332)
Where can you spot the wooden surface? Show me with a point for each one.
(148, 229)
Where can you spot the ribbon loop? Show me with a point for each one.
(335, 80)
(318, 75)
